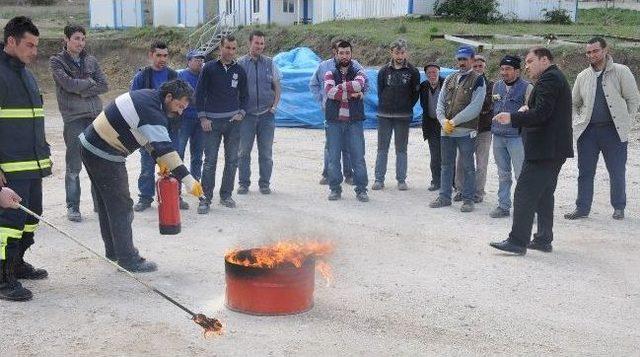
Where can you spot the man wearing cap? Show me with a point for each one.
(459, 106)
(509, 94)
(602, 120)
(190, 128)
(263, 83)
(429, 92)
(398, 92)
(483, 140)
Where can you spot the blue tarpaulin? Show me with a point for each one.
(297, 106)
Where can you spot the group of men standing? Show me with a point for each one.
(235, 101)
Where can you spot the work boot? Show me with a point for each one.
(10, 287)
(228, 202)
(334, 196)
(203, 207)
(618, 214)
(73, 214)
(139, 265)
(183, 204)
(265, 190)
(26, 271)
(141, 205)
(378, 185)
(362, 197)
(243, 190)
(440, 202)
(467, 206)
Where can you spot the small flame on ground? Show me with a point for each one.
(283, 253)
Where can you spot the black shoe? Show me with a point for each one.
(467, 206)
(362, 197)
(576, 215)
(14, 291)
(228, 202)
(141, 206)
(139, 265)
(73, 214)
(433, 187)
(543, 247)
(457, 197)
(507, 246)
(439, 202)
(26, 271)
(478, 199)
(183, 204)
(242, 190)
(349, 180)
(324, 181)
(203, 207)
(618, 214)
(499, 212)
(334, 196)
(265, 190)
(378, 185)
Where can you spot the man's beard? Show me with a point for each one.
(345, 63)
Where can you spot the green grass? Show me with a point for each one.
(609, 16)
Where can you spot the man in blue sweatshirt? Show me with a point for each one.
(221, 100)
(190, 129)
(152, 77)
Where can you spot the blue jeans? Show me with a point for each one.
(508, 152)
(449, 146)
(605, 139)
(261, 128)
(147, 178)
(346, 158)
(399, 127)
(191, 131)
(352, 133)
(221, 129)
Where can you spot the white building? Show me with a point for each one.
(187, 13)
(116, 13)
(287, 12)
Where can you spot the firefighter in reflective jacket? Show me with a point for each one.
(24, 154)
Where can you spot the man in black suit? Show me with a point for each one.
(545, 124)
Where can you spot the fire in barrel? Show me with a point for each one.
(277, 279)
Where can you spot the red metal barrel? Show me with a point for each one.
(282, 290)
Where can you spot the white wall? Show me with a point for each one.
(532, 10)
(115, 13)
(358, 9)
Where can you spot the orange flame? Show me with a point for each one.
(285, 253)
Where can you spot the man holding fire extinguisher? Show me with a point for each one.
(135, 119)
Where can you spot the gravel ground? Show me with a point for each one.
(409, 280)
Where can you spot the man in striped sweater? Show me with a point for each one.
(135, 119)
(344, 114)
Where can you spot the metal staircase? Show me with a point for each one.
(208, 36)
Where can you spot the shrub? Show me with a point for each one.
(402, 29)
(482, 11)
(42, 2)
(556, 16)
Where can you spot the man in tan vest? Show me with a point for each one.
(459, 106)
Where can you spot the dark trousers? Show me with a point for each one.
(399, 128)
(73, 161)
(16, 227)
(261, 129)
(191, 133)
(229, 131)
(595, 139)
(115, 206)
(147, 178)
(435, 160)
(534, 192)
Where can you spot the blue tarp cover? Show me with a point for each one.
(297, 106)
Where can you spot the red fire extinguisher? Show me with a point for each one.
(168, 205)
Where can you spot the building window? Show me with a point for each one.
(256, 5)
(287, 6)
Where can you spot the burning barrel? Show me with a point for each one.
(275, 280)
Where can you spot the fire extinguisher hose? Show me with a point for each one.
(210, 325)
